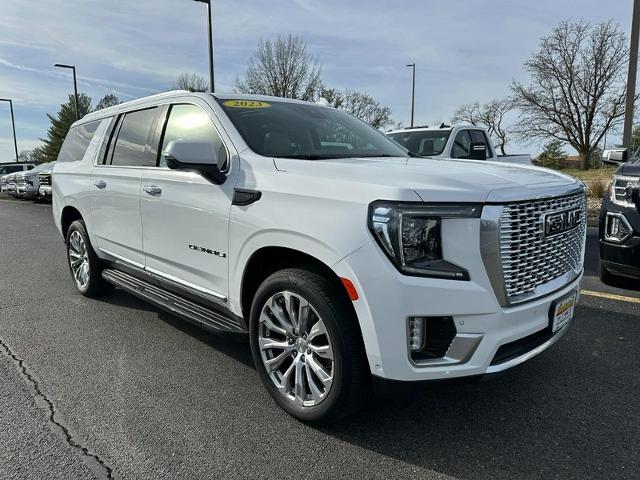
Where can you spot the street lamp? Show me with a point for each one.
(211, 84)
(413, 90)
(13, 124)
(75, 85)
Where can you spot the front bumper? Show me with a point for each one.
(388, 299)
(621, 258)
(27, 191)
(45, 191)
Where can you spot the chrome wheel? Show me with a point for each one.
(78, 259)
(295, 349)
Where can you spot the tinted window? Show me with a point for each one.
(189, 122)
(306, 131)
(132, 145)
(480, 136)
(10, 169)
(427, 143)
(461, 145)
(76, 143)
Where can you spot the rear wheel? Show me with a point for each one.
(307, 347)
(85, 266)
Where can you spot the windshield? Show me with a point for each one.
(426, 142)
(10, 169)
(306, 131)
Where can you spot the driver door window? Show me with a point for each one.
(190, 122)
(461, 145)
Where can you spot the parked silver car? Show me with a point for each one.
(28, 182)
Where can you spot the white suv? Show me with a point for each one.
(347, 262)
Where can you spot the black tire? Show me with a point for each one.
(351, 377)
(609, 278)
(96, 285)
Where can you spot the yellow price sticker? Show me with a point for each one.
(246, 104)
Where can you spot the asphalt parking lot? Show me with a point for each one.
(115, 388)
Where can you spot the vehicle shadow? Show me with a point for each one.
(233, 345)
(570, 412)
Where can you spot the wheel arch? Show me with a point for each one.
(68, 215)
(270, 259)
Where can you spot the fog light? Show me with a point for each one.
(617, 228)
(416, 333)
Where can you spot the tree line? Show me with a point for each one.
(60, 125)
(575, 96)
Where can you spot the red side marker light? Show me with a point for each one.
(351, 289)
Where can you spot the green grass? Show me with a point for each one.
(603, 173)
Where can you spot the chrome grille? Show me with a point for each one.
(529, 258)
(45, 179)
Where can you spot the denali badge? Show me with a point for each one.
(559, 222)
(208, 250)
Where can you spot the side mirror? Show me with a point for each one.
(199, 156)
(478, 151)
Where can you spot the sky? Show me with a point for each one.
(465, 50)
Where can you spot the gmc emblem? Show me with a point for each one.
(560, 222)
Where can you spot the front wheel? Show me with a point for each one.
(307, 347)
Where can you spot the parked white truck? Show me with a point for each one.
(460, 141)
(346, 262)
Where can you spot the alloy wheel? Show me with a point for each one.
(296, 349)
(78, 259)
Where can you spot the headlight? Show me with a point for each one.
(411, 236)
(621, 190)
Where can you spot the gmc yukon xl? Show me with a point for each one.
(348, 263)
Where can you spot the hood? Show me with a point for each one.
(439, 180)
(632, 169)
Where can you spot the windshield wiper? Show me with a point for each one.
(309, 156)
(380, 155)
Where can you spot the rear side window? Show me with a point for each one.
(480, 136)
(77, 141)
(132, 145)
(190, 122)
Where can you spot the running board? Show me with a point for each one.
(176, 304)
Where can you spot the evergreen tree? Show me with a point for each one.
(61, 123)
(553, 156)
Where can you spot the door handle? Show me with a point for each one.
(152, 190)
(100, 184)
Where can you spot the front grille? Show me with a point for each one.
(529, 258)
(45, 179)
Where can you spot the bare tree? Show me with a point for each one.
(32, 156)
(109, 100)
(577, 90)
(193, 82)
(360, 105)
(282, 68)
(467, 113)
(490, 116)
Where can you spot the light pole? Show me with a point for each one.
(211, 83)
(75, 85)
(631, 77)
(413, 90)
(13, 124)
